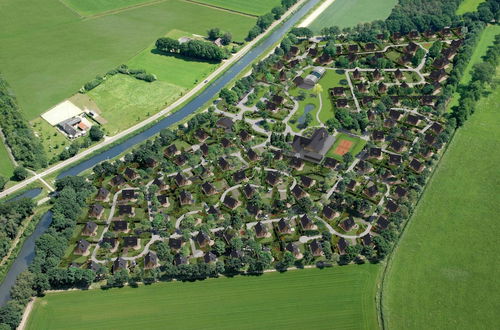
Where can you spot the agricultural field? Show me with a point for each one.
(339, 296)
(345, 13)
(93, 7)
(468, 6)
(6, 165)
(126, 101)
(454, 283)
(55, 52)
(255, 7)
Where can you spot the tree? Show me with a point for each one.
(229, 96)
(483, 72)
(11, 314)
(278, 11)
(348, 158)
(227, 38)
(22, 291)
(214, 33)
(3, 181)
(96, 133)
(330, 49)
(20, 173)
(318, 89)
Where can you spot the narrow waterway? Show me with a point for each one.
(27, 252)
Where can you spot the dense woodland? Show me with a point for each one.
(73, 192)
(203, 50)
(12, 215)
(25, 146)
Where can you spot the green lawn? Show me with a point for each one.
(92, 7)
(487, 37)
(254, 7)
(52, 139)
(444, 275)
(125, 101)
(6, 165)
(48, 52)
(468, 6)
(329, 80)
(340, 297)
(344, 13)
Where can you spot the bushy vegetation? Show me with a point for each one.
(203, 50)
(12, 215)
(25, 146)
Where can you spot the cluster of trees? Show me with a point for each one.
(240, 88)
(12, 215)
(203, 50)
(263, 22)
(24, 145)
(122, 69)
(482, 75)
(44, 273)
(215, 33)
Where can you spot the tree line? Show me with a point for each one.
(24, 145)
(265, 21)
(203, 50)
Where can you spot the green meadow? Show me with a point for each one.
(468, 6)
(48, 51)
(444, 274)
(254, 7)
(126, 101)
(338, 297)
(345, 13)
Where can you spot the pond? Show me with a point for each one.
(309, 107)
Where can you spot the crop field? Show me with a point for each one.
(444, 274)
(340, 297)
(344, 13)
(6, 165)
(48, 52)
(468, 6)
(126, 101)
(93, 7)
(255, 7)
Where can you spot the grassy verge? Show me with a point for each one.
(6, 165)
(341, 297)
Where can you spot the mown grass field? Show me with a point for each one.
(444, 274)
(48, 52)
(126, 101)
(254, 7)
(468, 6)
(93, 7)
(340, 297)
(344, 13)
(6, 165)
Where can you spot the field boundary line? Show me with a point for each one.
(71, 9)
(221, 8)
(119, 10)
